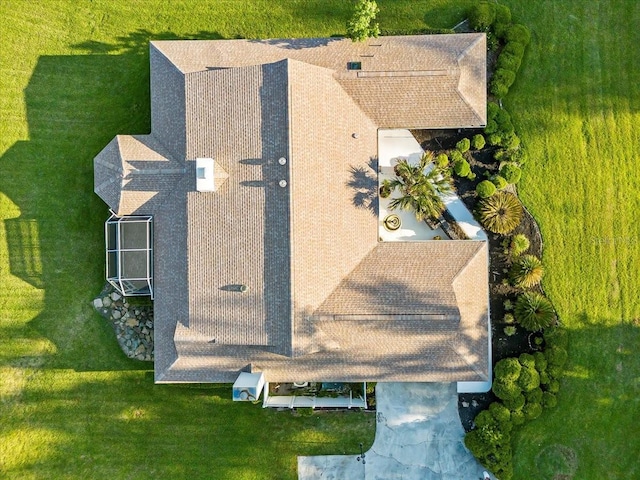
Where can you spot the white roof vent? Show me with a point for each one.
(209, 175)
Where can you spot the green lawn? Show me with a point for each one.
(74, 74)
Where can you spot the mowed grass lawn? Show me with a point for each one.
(74, 74)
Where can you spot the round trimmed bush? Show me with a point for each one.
(499, 88)
(495, 139)
(492, 126)
(509, 61)
(555, 373)
(532, 411)
(549, 400)
(516, 403)
(481, 16)
(502, 19)
(541, 361)
(484, 419)
(499, 412)
(500, 213)
(499, 181)
(518, 245)
(463, 145)
(507, 369)
(442, 161)
(485, 189)
(556, 337)
(505, 389)
(529, 379)
(514, 48)
(508, 318)
(554, 386)
(471, 176)
(511, 172)
(556, 356)
(534, 396)
(517, 417)
(507, 77)
(456, 156)
(492, 110)
(478, 142)
(544, 378)
(462, 168)
(526, 271)
(511, 141)
(527, 360)
(534, 312)
(518, 33)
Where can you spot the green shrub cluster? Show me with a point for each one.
(499, 181)
(490, 17)
(517, 37)
(478, 142)
(500, 130)
(463, 145)
(485, 189)
(462, 167)
(511, 172)
(442, 161)
(525, 386)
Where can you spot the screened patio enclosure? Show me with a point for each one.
(129, 246)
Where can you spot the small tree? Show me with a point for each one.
(361, 26)
(420, 187)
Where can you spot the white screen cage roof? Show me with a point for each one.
(129, 254)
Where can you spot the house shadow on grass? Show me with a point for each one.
(75, 105)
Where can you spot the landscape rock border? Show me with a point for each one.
(132, 324)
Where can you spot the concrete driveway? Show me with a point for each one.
(418, 436)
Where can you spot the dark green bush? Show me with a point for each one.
(492, 110)
(516, 403)
(484, 419)
(554, 386)
(499, 181)
(529, 379)
(505, 389)
(540, 361)
(503, 119)
(511, 172)
(549, 400)
(532, 411)
(462, 168)
(502, 20)
(507, 369)
(509, 61)
(463, 145)
(442, 161)
(544, 378)
(556, 337)
(518, 33)
(534, 396)
(534, 312)
(507, 77)
(517, 417)
(500, 413)
(478, 142)
(492, 127)
(481, 16)
(514, 48)
(499, 89)
(555, 373)
(511, 141)
(527, 360)
(475, 443)
(556, 356)
(485, 189)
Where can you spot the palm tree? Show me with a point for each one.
(420, 187)
(526, 271)
(500, 213)
(534, 311)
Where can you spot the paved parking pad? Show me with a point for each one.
(418, 436)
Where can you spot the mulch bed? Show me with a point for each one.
(469, 405)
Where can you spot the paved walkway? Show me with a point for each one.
(418, 436)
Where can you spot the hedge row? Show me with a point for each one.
(525, 386)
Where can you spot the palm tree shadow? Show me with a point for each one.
(364, 182)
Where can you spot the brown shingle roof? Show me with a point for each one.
(321, 288)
